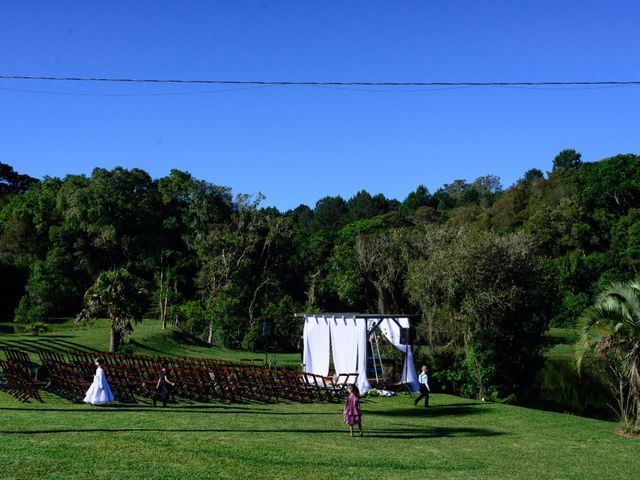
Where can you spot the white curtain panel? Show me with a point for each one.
(344, 344)
(363, 382)
(316, 346)
(391, 330)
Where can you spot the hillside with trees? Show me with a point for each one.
(488, 269)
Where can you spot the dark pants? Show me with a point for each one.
(424, 393)
(162, 393)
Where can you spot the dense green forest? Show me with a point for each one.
(487, 269)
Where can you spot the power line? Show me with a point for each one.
(320, 83)
(244, 88)
(146, 94)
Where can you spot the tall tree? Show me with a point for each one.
(567, 159)
(330, 214)
(189, 209)
(612, 184)
(380, 259)
(118, 294)
(13, 183)
(420, 197)
(239, 264)
(489, 293)
(532, 175)
(362, 205)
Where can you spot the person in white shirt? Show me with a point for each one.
(423, 380)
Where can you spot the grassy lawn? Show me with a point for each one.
(454, 438)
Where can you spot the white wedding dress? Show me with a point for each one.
(99, 392)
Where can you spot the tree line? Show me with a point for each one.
(488, 269)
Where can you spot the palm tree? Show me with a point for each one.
(116, 293)
(611, 329)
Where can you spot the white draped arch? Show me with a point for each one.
(345, 336)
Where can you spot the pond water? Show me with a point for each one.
(558, 387)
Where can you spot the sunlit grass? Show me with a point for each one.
(454, 438)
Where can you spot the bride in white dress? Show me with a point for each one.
(99, 392)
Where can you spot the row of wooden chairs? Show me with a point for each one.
(201, 379)
(67, 381)
(327, 388)
(19, 381)
(196, 378)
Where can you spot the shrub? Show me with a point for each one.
(190, 317)
(449, 372)
(253, 339)
(36, 328)
(28, 312)
(126, 348)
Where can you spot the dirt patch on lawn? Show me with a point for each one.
(622, 433)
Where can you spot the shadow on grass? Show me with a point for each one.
(39, 338)
(50, 342)
(33, 342)
(67, 345)
(433, 411)
(186, 339)
(396, 433)
(180, 338)
(141, 346)
(144, 409)
(209, 409)
(24, 345)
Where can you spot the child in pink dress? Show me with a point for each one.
(352, 414)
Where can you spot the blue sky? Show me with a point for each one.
(298, 144)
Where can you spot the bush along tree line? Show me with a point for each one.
(487, 269)
(609, 336)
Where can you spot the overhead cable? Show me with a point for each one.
(323, 83)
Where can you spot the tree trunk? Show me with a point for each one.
(637, 415)
(163, 299)
(381, 300)
(114, 340)
(164, 313)
(482, 391)
(210, 338)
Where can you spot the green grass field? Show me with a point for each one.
(454, 438)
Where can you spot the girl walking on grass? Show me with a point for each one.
(352, 414)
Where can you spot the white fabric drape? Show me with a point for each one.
(363, 381)
(316, 346)
(391, 330)
(346, 338)
(344, 344)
